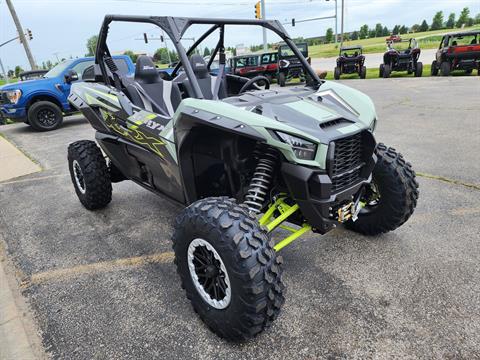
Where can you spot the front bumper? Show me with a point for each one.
(11, 111)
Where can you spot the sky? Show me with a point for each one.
(61, 27)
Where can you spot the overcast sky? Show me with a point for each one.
(61, 27)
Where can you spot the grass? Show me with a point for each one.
(10, 81)
(427, 40)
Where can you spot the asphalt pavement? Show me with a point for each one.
(102, 284)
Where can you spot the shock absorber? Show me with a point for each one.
(261, 180)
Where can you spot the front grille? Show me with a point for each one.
(3, 98)
(347, 162)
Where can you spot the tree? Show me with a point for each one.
(385, 31)
(132, 55)
(403, 29)
(329, 35)
(371, 33)
(424, 26)
(161, 55)
(91, 45)
(18, 70)
(354, 35)
(477, 19)
(437, 21)
(49, 64)
(206, 51)
(396, 30)
(451, 21)
(463, 18)
(10, 73)
(415, 28)
(378, 30)
(363, 32)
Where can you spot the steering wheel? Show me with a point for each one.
(253, 82)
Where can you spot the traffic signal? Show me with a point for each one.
(258, 10)
(145, 38)
(29, 33)
(293, 22)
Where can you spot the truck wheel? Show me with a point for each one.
(363, 72)
(282, 79)
(419, 69)
(381, 70)
(228, 268)
(386, 70)
(391, 197)
(445, 68)
(468, 71)
(45, 116)
(434, 68)
(90, 175)
(336, 73)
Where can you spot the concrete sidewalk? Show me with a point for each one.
(13, 163)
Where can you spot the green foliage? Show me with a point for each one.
(329, 35)
(477, 19)
(385, 31)
(424, 26)
(206, 51)
(363, 32)
(437, 21)
(132, 55)
(463, 18)
(403, 29)
(18, 70)
(378, 30)
(354, 35)
(396, 30)
(451, 21)
(91, 45)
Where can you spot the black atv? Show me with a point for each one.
(350, 61)
(401, 55)
(241, 161)
(289, 67)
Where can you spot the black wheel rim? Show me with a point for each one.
(209, 274)
(78, 175)
(371, 198)
(46, 117)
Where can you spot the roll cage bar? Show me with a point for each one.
(175, 27)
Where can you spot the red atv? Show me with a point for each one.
(458, 51)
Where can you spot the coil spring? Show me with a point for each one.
(261, 181)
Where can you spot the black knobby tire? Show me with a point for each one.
(251, 263)
(468, 71)
(363, 72)
(44, 116)
(381, 70)
(90, 174)
(445, 68)
(386, 70)
(398, 189)
(419, 69)
(336, 73)
(282, 79)
(434, 68)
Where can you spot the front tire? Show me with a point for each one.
(434, 68)
(336, 73)
(419, 69)
(219, 245)
(44, 116)
(386, 71)
(445, 68)
(363, 72)
(392, 199)
(381, 70)
(90, 174)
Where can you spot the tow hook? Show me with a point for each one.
(345, 212)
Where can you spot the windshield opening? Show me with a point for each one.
(286, 51)
(58, 69)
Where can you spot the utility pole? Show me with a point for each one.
(5, 75)
(343, 12)
(21, 34)
(264, 30)
(336, 24)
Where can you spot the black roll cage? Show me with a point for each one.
(175, 27)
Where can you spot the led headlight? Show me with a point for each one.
(13, 95)
(303, 149)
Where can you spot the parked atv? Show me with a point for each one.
(350, 61)
(242, 161)
(289, 67)
(401, 56)
(458, 51)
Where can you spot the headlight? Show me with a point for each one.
(13, 95)
(303, 149)
(284, 63)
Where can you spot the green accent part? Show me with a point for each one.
(285, 212)
(292, 237)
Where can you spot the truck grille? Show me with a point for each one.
(347, 162)
(3, 98)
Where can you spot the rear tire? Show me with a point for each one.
(386, 71)
(445, 68)
(242, 266)
(363, 72)
(381, 70)
(44, 116)
(336, 73)
(398, 193)
(434, 68)
(282, 79)
(419, 69)
(469, 71)
(90, 174)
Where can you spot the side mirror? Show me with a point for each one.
(71, 76)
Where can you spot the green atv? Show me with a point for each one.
(242, 159)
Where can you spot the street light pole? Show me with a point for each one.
(264, 30)
(343, 12)
(336, 23)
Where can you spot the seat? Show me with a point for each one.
(205, 80)
(159, 96)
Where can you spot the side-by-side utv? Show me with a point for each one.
(350, 61)
(241, 160)
(401, 55)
